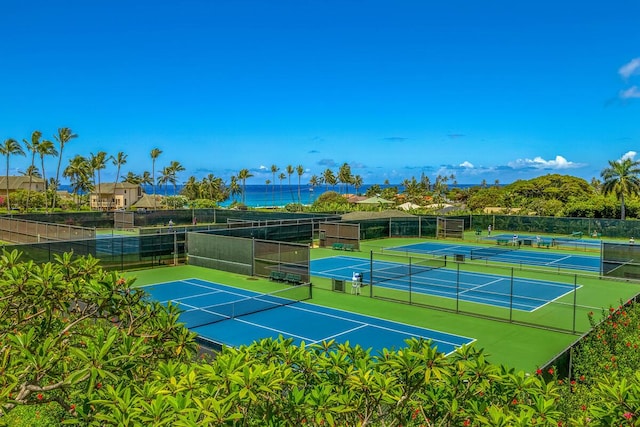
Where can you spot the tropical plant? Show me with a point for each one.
(174, 169)
(118, 161)
(300, 172)
(155, 153)
(63, 136)
(621, 178)
(274, 170)
(290, 171)
(32, 146)
(79, 173)
(344, 176)
(71, 331)
(8, 148)
(329, 179)
(242, 176)
(46, 148)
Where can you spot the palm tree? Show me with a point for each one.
(274, 169)
(300, 172)
(314, 182)
(282, 176)
(79, 174)
(118, 161)
(164, 178)
(64, 135)
(290, 171)
(33, 147)
(357, 182)
(46, 148)
(155, 153)
(174, 168)
(344, 176)
(243, 175)
(234, 187)
(621, 178)
(329, 178)
(98, 162)
(132, 178)
(146, 179)
(10, 146)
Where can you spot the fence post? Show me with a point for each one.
(457, 287)
(371, 274)
(511, 299)
(575, 296)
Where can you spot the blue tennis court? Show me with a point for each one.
(509, 254)
(203, 301)
(528, 294)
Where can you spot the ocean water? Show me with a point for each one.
(276, 195)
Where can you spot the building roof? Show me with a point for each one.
(108, 187)
(16, 182)
(146, 202)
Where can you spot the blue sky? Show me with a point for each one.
(484, 90)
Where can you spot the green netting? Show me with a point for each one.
(621, 260)
(224, 253)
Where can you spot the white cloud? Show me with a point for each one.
(630, 68)
(466, 164)
(632, 92)
(539, 163)
(628, 155)
(262, 167)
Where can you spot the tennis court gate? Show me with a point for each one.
(450, 228)
(26, 231)
(250, 256)
(339, 234)
(620, 260)
(123, 220)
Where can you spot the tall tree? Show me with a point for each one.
(9, 148)
(357, 182)
(165, 178)
(622, 179)
(290, 171)
(300, 172)
(243, 175)
(32, 146)
(344, 176)
(174, 169)
(329, 178)
(63, 137)
(46, 148)
(98, 162)
(118, 161)
(234, 187)
(155, 153)
(79, 173)
(281, 177)
(314, 182)
(274, 170)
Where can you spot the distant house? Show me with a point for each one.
(20, 183)
(104, 197)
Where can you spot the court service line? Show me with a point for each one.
(295, 307)
(481, 286)
(279, 331)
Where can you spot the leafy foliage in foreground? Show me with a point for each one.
(81, 347)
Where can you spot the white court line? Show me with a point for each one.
(280, 332)
(480, 286)
(558, 260)
(364, 325)
(378, 326)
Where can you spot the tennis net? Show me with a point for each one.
(484, 253)
(399, 271)
(197, 317)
